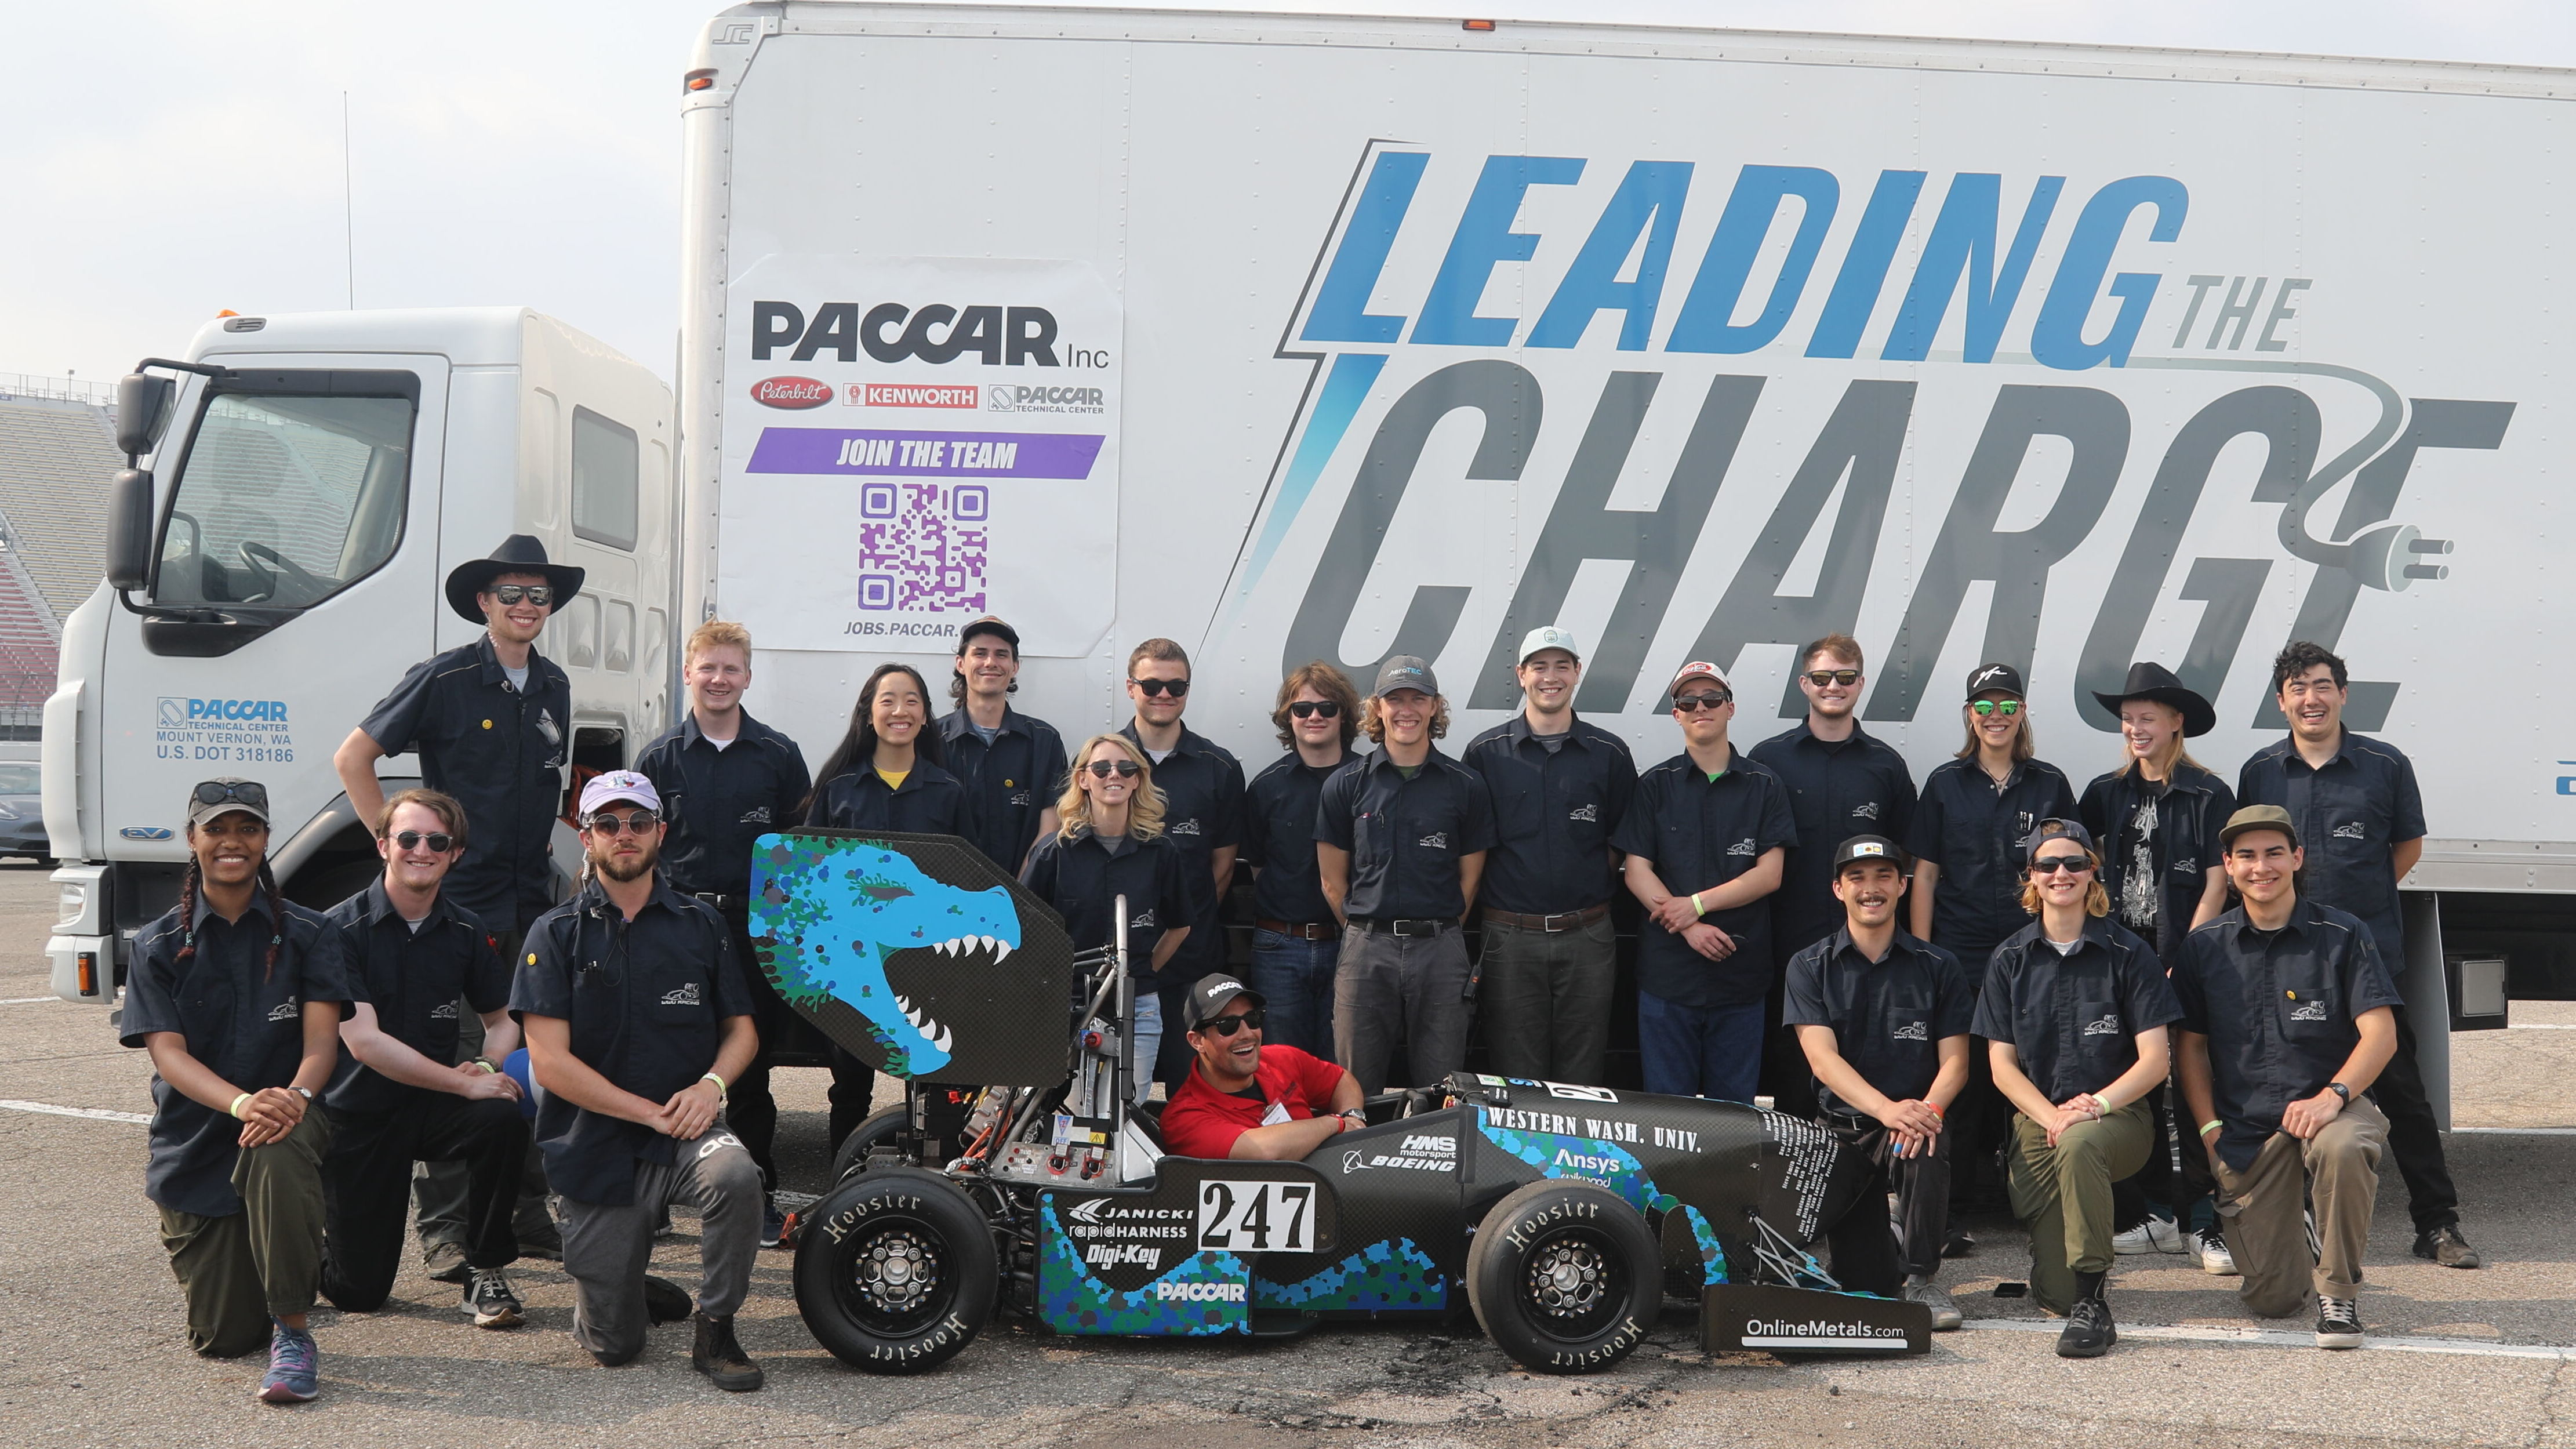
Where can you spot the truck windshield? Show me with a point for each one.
(286, 500)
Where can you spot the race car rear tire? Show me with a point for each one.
(879, 1127)
(1565, 1277)
(895, 1271)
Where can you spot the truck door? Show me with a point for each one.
(296, 571)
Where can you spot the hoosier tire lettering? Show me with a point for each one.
(1565, 1278)
(902, 1276)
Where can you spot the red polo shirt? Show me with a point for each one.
(1287, 1085)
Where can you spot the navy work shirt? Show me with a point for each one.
(2280, 1009)
(1857, 786)
(1010, 782)
(1699, 834)
(1554, 813)
(1202, 789)
(245, 1028)
(647, 1000)
(2351, 815)
(1279, 839)
(718, 801)
(1973, 830)
(1083, 878)
(501, 754)
(1889, 1016)
(929, 802)
(2074, 1019)
(412, 979)
(2181, 847)
(1405, 837)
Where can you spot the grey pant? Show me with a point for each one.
(1401, 992)
(2261, 1208)
(606, 1248)
(1544, 1000)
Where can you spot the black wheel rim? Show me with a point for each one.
(1575, 1284)
(895, 1278)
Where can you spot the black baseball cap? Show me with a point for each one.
(2048, 830)
(2000, 677)
(1404, 671)
(1211, 994)
(1869, 847)
(989, 624)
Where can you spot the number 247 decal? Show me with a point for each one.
(1257, 1217)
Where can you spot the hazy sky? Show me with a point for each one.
(165, 161)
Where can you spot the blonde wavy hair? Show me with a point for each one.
(1144, 808)
(2097, 901)
(1373, 719)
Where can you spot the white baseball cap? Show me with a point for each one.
(1548, 636)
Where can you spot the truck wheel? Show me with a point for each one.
(1564, 1277)
(879, 1128)
(895, 1271)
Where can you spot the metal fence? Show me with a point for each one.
(57, 389)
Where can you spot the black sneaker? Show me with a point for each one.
(2445, 1246)
(547, 1244)
(489, 1299)
(666, 1301)
(1958, 1244)
(2338, 1323)
(720, 1357)
(773, 1226)
(2089, 1332)
(446, 1263)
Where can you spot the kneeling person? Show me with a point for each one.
(1883, 1020)
(637, 1015)
(1244, 1100)
(2287, 1019)
(410, 954)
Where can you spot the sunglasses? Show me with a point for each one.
(1226, 1026)
(1822, 677)
(247, 792)
(439, 840)
(541, 595)
(1317, 708)
(609, 822)
(2005, 707)
(1173, 687)
(1693, 703)
(1126, 769)
(2052, 864)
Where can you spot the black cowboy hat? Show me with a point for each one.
(518, 554)
(2154, 681)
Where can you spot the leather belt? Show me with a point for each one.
(1561, 921)
(1303, 931)
(1388, 926)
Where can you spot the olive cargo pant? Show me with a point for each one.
(240, 1270)
(2262, 1210)
(2062, 1194)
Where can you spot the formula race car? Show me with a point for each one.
(1015, 1176)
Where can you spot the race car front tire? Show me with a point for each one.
(1565, 1277)
(895, 1271)
(878, 1127)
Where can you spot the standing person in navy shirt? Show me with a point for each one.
(1706, 839)
(1400, 841)
(1976, 809)
(2357, 808)
(1841, 780)
(1109, 842)
(1202, 789)
(1011, 764)
(1560, 786)
(1296, 942)
(726, 779)
(238, 993)
(887, 773)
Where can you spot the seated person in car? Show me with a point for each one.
(1242, 1101)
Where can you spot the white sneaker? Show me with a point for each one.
(2155, 1235)
(2214, 1257)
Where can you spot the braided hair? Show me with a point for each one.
(188, 886)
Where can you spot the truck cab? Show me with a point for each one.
(298, 489)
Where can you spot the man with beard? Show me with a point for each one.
(637, 1017)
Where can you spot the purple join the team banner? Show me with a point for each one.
(878, 453)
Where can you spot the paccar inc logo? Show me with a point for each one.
(936, 333)
(1199, 1292)
(791, 392)
(177, 713)
(914, 395)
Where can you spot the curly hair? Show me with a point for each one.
(2302, 656)
(1373, 721)
(1325, 680)
(1144, 808)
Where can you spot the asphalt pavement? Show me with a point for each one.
(98, 1357)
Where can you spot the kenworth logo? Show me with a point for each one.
(176, 712)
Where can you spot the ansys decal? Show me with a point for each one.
(1612, 1166)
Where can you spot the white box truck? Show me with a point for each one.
(1296, 337)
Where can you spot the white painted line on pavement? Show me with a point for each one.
(2542, 1026)
(2282, 1338)
(100, 1114)
(25, 1000)
(2520, 1131)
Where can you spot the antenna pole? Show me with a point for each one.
(348, 210)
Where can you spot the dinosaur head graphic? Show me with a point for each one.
(860, 938)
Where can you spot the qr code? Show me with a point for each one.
(922, 546)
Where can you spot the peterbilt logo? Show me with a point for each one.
(791, 392)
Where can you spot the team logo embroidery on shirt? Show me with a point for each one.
(443, 1011)
(1019, 797)
(1865, 810)
(1436, 840)
(2105, 1026)
(1912, 1031)
(681, 996)
(2309, 1011)
(1589, 814)
(1182, 827)
(1743, 847)
(756, 815)
(1144, 921)
(284, 1011)
(2354, 830)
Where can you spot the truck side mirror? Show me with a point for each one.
(129, 524)
(141, 400)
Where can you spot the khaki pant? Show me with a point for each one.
(2062, 1194)
(2261, 1211)
(239, 1271)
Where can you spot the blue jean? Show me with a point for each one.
(1700, 1051)
(1147, 1030)
(1295, 980)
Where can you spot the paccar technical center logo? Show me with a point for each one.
(1003, 397)
(791, 392)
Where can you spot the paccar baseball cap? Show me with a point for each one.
(1868, 848)
(1404, 671)
(225, 794)
(2048, 830)
(1997, 677)
(2257, 817)
(1700, 669)
(1548, 636)
(616, 785)
(1213, 992)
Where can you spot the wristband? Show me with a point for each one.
(2212, 1125)
(486, 1064)
(2100, 1107)
(1696, 908)
(235, 1109)
(1936, 1110)
(719, 1081)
